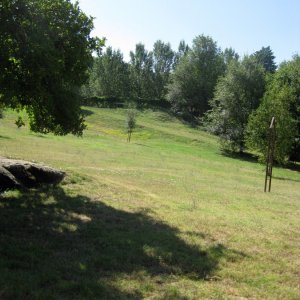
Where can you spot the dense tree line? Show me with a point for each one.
(248, 96)
(144, 77)
(233, 97)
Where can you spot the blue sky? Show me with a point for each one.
(245, 25)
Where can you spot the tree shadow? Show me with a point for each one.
(4, 137)
(86, 112)
(285, 179)
(248, 157)
(143, 145)
(53, 245)
(39, 135)
(294, 166)
(243, 156)
(165, 116)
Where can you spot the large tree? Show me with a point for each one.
(194, 79)
(45, 50)
(237, 94)
(281, 100)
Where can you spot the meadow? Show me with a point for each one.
(167, 216)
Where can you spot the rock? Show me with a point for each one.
(20, 173)
(7, 180)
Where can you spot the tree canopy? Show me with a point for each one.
(282, 100)
(163, 59)
(46, 50)
(109, 75)
(237, 94)
(194, 79)
(141, 72)
(266, 57)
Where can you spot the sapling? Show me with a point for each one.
(131, 123)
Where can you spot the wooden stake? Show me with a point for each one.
(270, 154)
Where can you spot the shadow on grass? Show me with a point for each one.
(243, 156)
(285, 179)
(294, 166)
(39, 135)
(87, 112)
(4, 137)
(57, 246)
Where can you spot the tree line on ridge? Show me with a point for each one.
(233, 97)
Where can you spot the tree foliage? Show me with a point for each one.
(194, 79)
(141, 73)
(229, 54)
(109, 76)
(183, 49)
(163, 59)
(46, 49)
(237, 94)
(266, 57)
(282, 100)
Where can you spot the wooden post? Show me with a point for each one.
(270, 154)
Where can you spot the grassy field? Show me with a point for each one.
(164, 217)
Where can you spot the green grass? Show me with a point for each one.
(164, 217)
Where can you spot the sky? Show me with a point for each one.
(244, 25)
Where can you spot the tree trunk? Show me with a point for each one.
(129, 136)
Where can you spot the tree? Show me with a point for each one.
(109, 75)
(266, 57)
(141, 73)
(282, 100)
(237, 94)
(131, 123)
(229, 54)
(163, 58)
(91, 88)
(183, 49)
(194, 79)
(46, 49)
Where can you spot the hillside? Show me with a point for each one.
(167, 216)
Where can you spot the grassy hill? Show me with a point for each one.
(164, 217)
